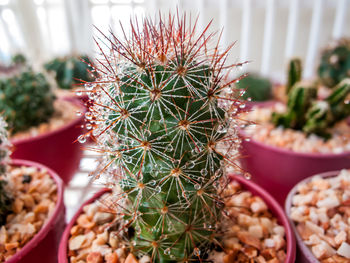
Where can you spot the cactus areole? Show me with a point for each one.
(157, 119)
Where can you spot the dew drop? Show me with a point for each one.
(247, 176)
(79, 93)
(169, 148)
(152, 182)
(204, 172)
(197, 186)
(79, 113)
(167, 251)
(158, 189)
(196, 251)
(190, 164)
(89, 126)
(81, 139)
(89, 87)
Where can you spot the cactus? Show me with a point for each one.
(5, 199)
(26, 100)
(294, 73)
(18, 59)
(300, 99)
(256, 87)
(335, 63)
(156, 117)
(313, 116)
(70, 71)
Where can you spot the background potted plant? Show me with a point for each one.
(42, 128)
(31, 208)
(293, 141)
(165, 144)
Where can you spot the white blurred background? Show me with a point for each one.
(268, 32)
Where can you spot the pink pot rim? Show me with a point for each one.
(281, 150)
(276, 210)
(67, 126)
(50, 223)
(62, 251)
(288, 206)
(272, 203)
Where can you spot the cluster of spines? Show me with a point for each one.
(156, 118)
(5, 199)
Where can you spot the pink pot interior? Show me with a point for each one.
(304, 253)
(25, 254)
(276, 209)
(63, 251)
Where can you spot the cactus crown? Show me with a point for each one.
(5, 200)
(26, 100)
(306, 113)
(157, 119)
(335, 63)
(71, 70)
(294, 73)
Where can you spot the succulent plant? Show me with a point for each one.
(157, 119)
(5, 199)
(306, 113)
(26, 100)
(18, 59)
(256, 87)
(300, 98)
(71, 70)
(335, 63)
(294, 73)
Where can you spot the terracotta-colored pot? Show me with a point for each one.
(63, 248)
(277, 170)
(44, 245)
(304, 254)
(57, 149)
(255, 189)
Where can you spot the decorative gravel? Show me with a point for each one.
(250, 234)
(35, 195)
(264, 131)
(321, 212)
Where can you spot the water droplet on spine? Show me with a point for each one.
(190, 164)
(79, 113)
(158, 189)
(169, 148)
(79, 93)
(204, 172)
(197, 186)
(247, 176)
(196, 251)
(152, 182)
(167, 251)
(81, 139)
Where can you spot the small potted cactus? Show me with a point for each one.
(42, 128)
(165, 139)
(70, 73)
(307, 136)
(335, 63)
(319, 212)
(31, 208)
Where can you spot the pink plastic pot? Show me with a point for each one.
(304, 254)
(277, 170)
(255, 189)
(276, 210)
(63, 248)
(57, 149)
(43, 246)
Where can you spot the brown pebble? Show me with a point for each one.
(94, 257)
(130, 259)
(248, 239)
(111, 258)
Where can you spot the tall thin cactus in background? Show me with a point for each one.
(294, 73)
(157, 119)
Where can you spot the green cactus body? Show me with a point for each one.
(294, 73)
(339, 101)
(26, 100)
(5, 199)
(156, 118)
(335, 63)
(317, 119)
(256, 88)
(70, 71)
(300, 99)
